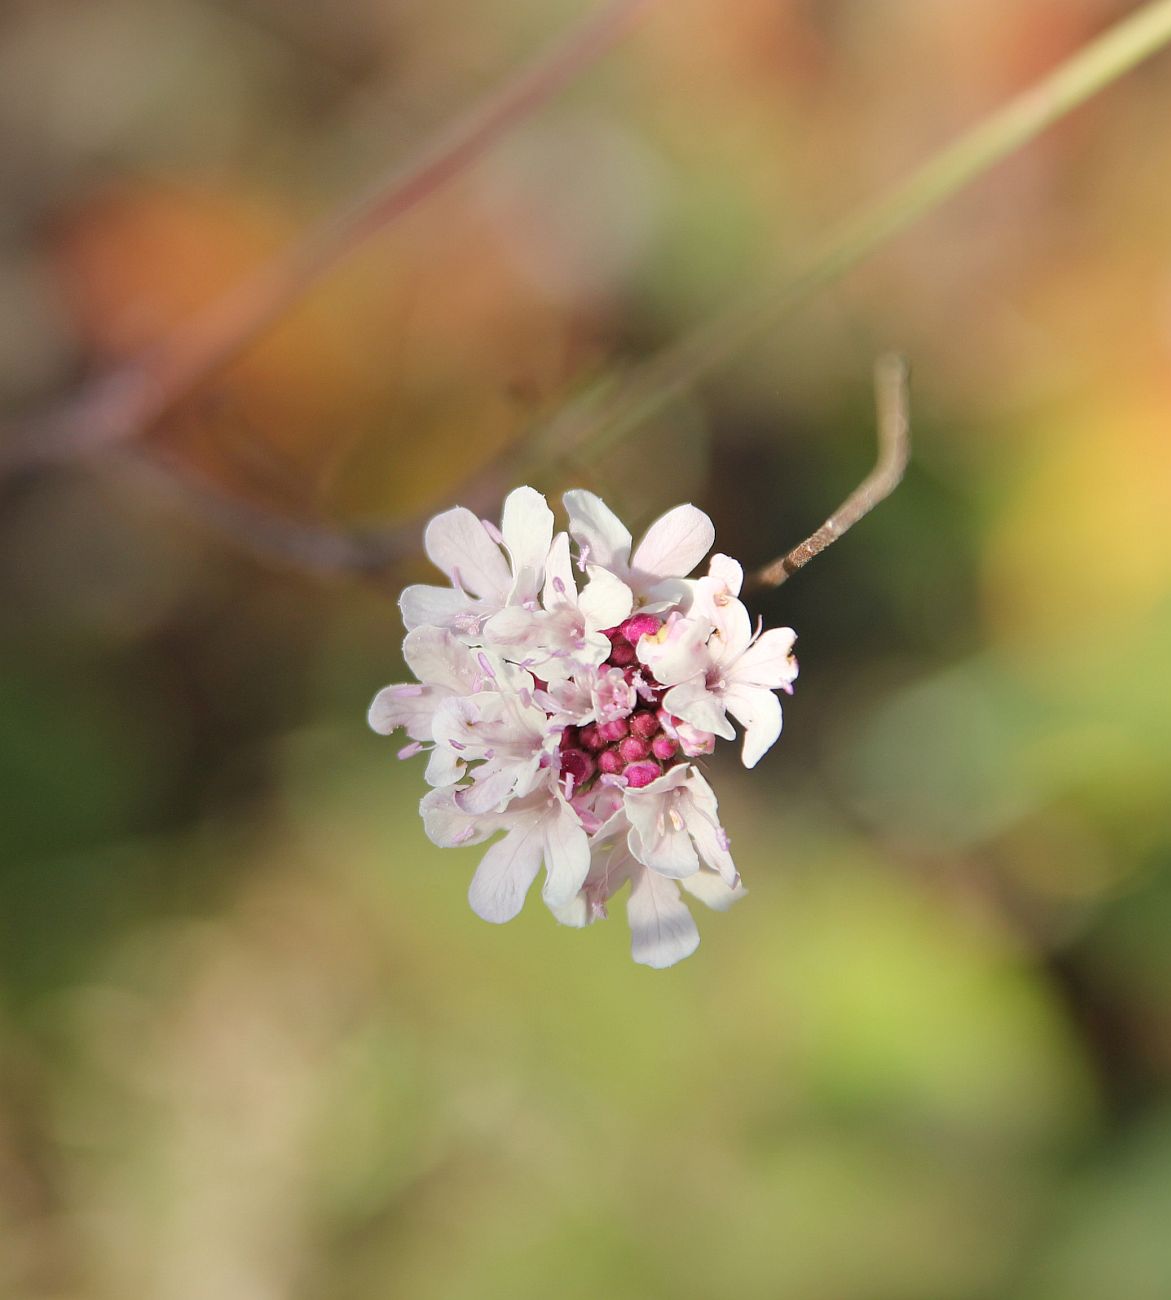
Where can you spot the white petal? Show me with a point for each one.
(491, 789)
(575, 913)
(443, 767)
(458, 543)
(733, 633)
(694, 703)
(664, 849)
(514, 629)
(506, 871)
(448, 826)
(758, 711)
(411, 706)
(607, 600)
(712, 890)
(661, 929)
(769, 660)
(674, 544)
(703, 822)
(560, 586)
(567, 855)
(726, 574)
(437, 606)
(439, 659)
(597, 530)
(677, 651)
(527, 528)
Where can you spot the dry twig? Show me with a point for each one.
(894, 452)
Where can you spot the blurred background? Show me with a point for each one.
(254, 1044)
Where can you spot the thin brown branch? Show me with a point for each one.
(128, 403)
(894, 453)
(313, 546)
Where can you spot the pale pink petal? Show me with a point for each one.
(678, 651)
(437, 606)
(575, 913)
(606, 600)
(733, 631)
(514, 629)
(440, 659)
(661, 929)
(602, 537)
(758, 711)
(712, 890)
(410, 706)
(560, 585)
(507, 870)
(567, 855)
(726, 574)
(657, 843)
(458, 543)
(449, 826)
(703, 821)
(674, 544)
(444, 767)
(694, 703)
(527, 528)
(768, 661)
(491, 789)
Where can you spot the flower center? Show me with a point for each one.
(635, 746)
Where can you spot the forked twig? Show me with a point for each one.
(894, 452)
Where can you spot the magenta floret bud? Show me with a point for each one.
(612, 731)
(663, 748)
(639, 625)
(610, 762)
(639, 774)
(622, 654)
(578, 764)
(588, 738)
(644, 725)
(634, 750)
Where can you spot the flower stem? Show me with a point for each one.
(1096, 66)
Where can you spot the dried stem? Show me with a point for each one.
(603, 421)
(134, 398)
(894, 452)
(303, 545)
(128, 403)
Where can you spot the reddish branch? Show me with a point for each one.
(894, 452)
(132, 400)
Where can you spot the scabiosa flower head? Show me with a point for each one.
(564, 712)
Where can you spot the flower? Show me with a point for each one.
(565, 719)
(714, 664)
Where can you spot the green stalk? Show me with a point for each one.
(1096, 66)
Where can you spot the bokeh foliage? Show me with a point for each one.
(254, 1043)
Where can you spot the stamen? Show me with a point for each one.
(409, 751)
